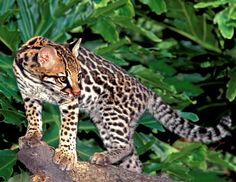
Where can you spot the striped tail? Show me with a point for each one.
(182, 127)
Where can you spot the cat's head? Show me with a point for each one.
(56, 65)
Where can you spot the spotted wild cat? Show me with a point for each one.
(74, 78)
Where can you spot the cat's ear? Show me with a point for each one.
(74, 46)
(48, 59)
(47, 56)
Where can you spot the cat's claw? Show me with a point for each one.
(100, 159)
(30, 140)
(65, 159)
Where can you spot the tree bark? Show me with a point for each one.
(38, 161)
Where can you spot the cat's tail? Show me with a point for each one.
(184, 128)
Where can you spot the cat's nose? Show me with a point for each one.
(75, 90)
(76, 93)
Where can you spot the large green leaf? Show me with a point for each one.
(22, 177)
(13, 116)
(148, 121)
(157, 6)
(9, 37)
(199, 175)
(188, 115)
(51, 120)
(110, 8)
(183, 85)
(126, 22)
(9, 33)
(150, 77)
(7, 161)
(87, 148)
(142, 144)
(183, 154)
(213, 3)
(5, 6)
(217, 158)
(231, 86)
(9, 88)
(87, 126)
(222, 19)
(106, 28)
(26, 21)
(185, 21)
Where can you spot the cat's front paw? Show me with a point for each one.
(100, 158)
(30, 139)
(64, 158)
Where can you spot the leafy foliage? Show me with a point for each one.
(183, 50)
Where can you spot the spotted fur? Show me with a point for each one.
(114, 100)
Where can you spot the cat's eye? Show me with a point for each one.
(62, 79)
(79, 76)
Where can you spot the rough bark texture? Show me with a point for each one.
(38, 160)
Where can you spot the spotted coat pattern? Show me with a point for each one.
(114, 100)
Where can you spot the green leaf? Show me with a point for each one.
(187, 151)
(5, 6)
(188, 115)
(46, 21)
(193, 77)
(5, 102)
(9, 37)
(62, 7)
(26, 19)
(51, 120)
(109, 9)
(231, 86)
(222, 19)
(147, 146)
(199, 175)
(217, 158)
(110, 48)
(10, 89)
(106, 28)
(13, 116)
(184, 20)
(178, 170)
(6, 62)
(157, 6)
(116, 59)
(87, 126)
(22, 177)
(149, 167)
(162, 67)
(147, 75)
(198, 159)
(142, 144)
(51, 135)
(160, 149)
(101, 3)
(128, 24)
(7, 161)
(87, 148)
(186, 86)
(214, 4)
(148, 121)
(126, 10)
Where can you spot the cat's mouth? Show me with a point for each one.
(68, 93)
(71, 92)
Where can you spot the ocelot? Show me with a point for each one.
(74, 78)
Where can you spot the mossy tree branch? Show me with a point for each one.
(38, 160)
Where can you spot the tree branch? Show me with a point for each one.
(38, 160)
